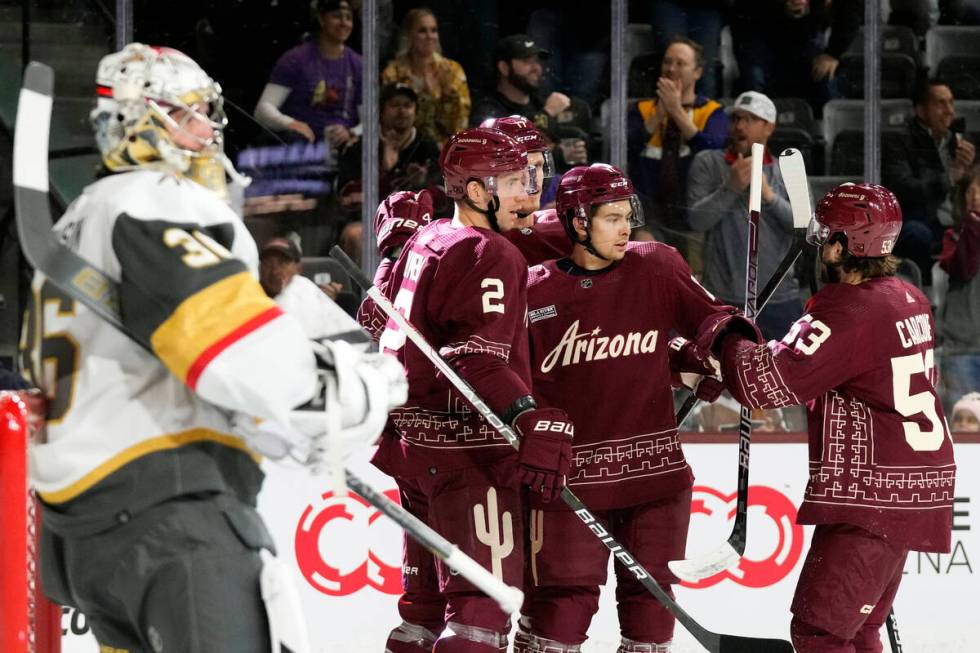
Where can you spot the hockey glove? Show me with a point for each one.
(546, 450)
(398, 217)
(696, 369)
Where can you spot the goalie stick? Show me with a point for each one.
(87, 284)
(793, 171)
(714, 642)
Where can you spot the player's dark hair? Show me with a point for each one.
(869, 267)
(920, 91)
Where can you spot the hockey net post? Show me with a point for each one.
(29, 623)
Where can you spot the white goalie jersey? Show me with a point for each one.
(126, 426)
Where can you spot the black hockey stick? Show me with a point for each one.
(891, 625)
(87, 284)
(793, 170)
(714, 642)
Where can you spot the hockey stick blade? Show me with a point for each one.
(714, 642)
(87, 284)
(705, 565)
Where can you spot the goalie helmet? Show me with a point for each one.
(481, 154)
(147, 100)
(524, 132)
(868, 214)
(583, 187)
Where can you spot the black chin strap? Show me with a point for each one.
(587, 243)
(491, 211)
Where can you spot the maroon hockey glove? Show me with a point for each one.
(398, 217)
(687, 358)
(546, 450)
(715, 327)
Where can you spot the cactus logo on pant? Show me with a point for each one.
(495, 532)
(336, 542)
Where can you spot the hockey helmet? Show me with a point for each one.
(868, 214)
(524, 132)
(583, 187)
(146, 95)
(399, 216)
(484, 155)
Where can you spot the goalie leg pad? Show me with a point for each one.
(287, 625)
(655, 532)
(846, 589)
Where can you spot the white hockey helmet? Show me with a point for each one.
(146, 96)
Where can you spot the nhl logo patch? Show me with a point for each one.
(586, 283)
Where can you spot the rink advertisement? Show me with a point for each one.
(347, 557)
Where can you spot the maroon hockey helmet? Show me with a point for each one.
(524, 132)
(583, 187)
(399, 216)
(482, 154)
(868, 214)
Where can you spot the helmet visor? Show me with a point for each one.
(518, 183)
(816, 233)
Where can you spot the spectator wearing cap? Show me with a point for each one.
(924, 165)
(314, 91)
(663, 135)
(960, 308)
(409, 160)
(717, 198)
(518, 62)
(966, 413)
(439, 82)
(280, 262)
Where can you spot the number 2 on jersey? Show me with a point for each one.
(908, 404)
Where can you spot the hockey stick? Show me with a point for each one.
(727, 555)
(891, 624)
(793, 170)
(714, 642)
(93, 288)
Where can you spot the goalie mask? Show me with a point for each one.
(583, 188)
(158, 109)
(867, 214)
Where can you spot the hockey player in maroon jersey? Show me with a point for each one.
(463, 285)
(399, 216)
(601, 320)
(539, 234)
(881, 459)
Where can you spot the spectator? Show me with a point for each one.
(440, 83)
(409, 160)
(699, 20)
(966, 413)
(717, 198)
(782, 49)
(518, 66)
(663, 135)
(922, 166)
(313, 305)
(960, 309)
(315, 88)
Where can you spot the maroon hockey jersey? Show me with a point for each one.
(465, 290)
(599, 351)
(545, 241)
(862, 360)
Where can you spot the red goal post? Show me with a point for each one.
(29, 623)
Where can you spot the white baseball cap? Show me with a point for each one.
(757, 104)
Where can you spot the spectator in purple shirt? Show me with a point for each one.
(315, 88)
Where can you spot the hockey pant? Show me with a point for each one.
(845, 591)
(480, 511)
(180, 577)
(568, 565)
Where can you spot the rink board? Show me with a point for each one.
(347, 558)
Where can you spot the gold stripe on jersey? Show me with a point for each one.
(209, 321)
(152, 445)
